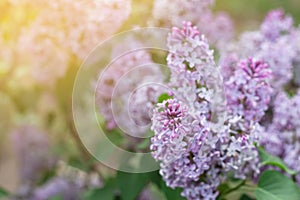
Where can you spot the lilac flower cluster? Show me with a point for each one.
(128, 89)
(282, 137)
(59, 187)
(272, 44)
(276, 24)
(248, 92)
(32, 150)
(66, 185)
(61, 32)
(198, 140)
(218, 27)
(268, 44)
(296, 60)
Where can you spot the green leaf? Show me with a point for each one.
(106, 193)
(125, 185)
(163, 96)
(268, 159)
(115, 136)
(273, 185)
(103, 194)
(131, 184)
(156, 178)
(246, 197)
(172, 194)
(223, 188)
(3, 193)
(144, 144)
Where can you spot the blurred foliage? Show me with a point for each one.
(274, 185)
(51, 107)
(268, 159)
(249, 14)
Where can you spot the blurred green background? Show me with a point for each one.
(23, 104)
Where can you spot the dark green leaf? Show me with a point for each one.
(156, 178)
(131, 184)
(273, 185)
(103, 194)
(223, 188)
(246, 197)
(268, 159)
(3, 193)
(171, 194)
(106, 193)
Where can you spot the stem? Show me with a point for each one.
(235, 188)
(222, 197)
(248, 187)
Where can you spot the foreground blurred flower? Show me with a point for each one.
(33, 152)
(217, 27)
(59, 187)
(267, 44)
(296, 60)
(276, 24)
(128, 88)
(282, 138)
(197, 141)
(272, 44)
(62, 32)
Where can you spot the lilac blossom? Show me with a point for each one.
(32, 150)
(218, 27)
(178, 11)
(196, 139)
(267, 44)
(229, 65)
(62, 187)
(296, 60)
(271, 44)
(62, 33)
(282, 66)
(276, 24)
(282, 137)
(248, 91)
(192, 67)
(128, 89)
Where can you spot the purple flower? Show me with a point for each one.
(128, 88)
(62, 187)
(196, 139)
(268, 44)
(60, 33)
(248, 91)
(32, 149)
(282, 137)
(218, 27)
(168, 118)
(276, 24)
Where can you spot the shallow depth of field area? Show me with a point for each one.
(149, 99)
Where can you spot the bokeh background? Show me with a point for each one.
(42, 44)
